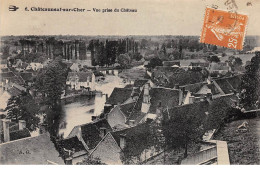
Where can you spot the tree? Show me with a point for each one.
(124, 60)
(237, 62)
(23, 107)
(214, 58)
(250, 89)
(217, 114)
(51, 82)
(154, 62)
(183, 127)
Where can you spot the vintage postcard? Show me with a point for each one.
(141, 82)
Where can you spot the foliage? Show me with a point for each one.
(214, 58)
(217, 114)
(183, 77)
(51, 82)
(23, 107)
(134, 149)
(91, 161)
(124, 60)
(250, 89)
(154, 62)
(182, 128)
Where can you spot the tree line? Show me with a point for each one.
(106, 53)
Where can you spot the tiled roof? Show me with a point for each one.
(16, 80)
(14, 91)
(197, 107)
(140, 83)
(91, 132)
(33, 150)
(136, 113)
(164, 96)
(127, 108)
(26, 76)
(72, 143)
(119, 95)
(194, 88)
(83, 76)
(213, 89)
(229, 84)
(135, 138)
(5, 75)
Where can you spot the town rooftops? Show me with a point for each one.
(91, 132)
(229, 84)
(136, 141)
(195, 88)
(37, 150)
(5, 75)
(26, 76)
(119, 95)
(82, 76)
(74, 145)
(163, 97)
(140, 83)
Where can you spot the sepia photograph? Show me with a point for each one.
(117, 82)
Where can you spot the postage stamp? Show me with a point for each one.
(224, 28)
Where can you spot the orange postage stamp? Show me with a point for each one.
(223, 28)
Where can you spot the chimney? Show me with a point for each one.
(122, 141)
(191, 99)
(22, 124)
(103, 132)
(6, 123)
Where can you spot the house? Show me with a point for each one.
(219, 68)
(227, 85)
(10, 131)
(199, 64)
(75, 67)
(127, 146)
(149, 104)
(195, 91)
(81, 80)
(119, 96)
(90, 134)
(72, 149)
(170, 76)
(38, 150)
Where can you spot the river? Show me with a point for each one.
(80, 110)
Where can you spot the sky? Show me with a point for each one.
(153, 17)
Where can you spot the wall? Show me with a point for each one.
(115, 117)
(108, 151)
